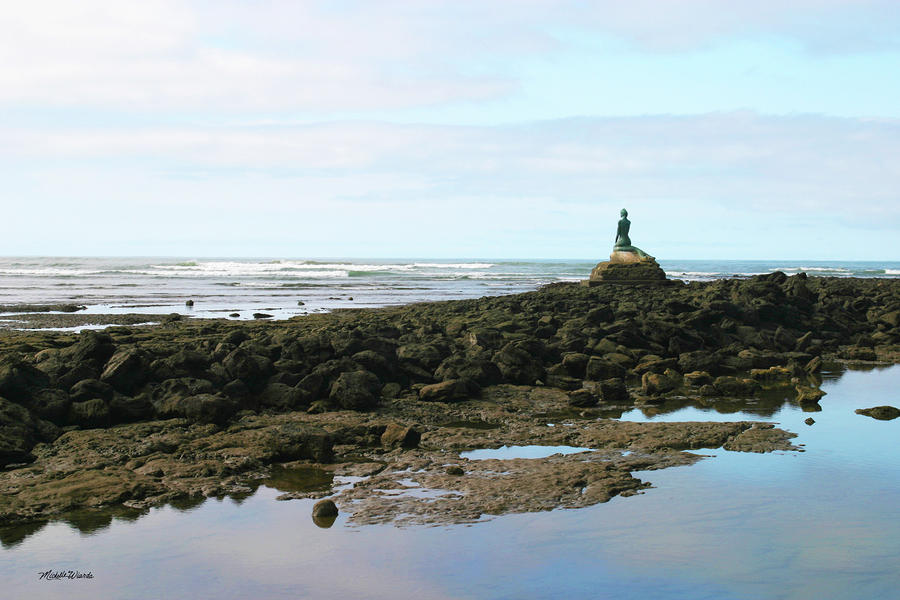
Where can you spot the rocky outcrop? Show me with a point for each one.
(719, 340)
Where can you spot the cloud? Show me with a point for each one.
(780, 163)
(163, 55)
(736, 183)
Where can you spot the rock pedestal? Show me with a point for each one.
(627, 267)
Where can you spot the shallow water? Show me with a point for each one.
(824, 523)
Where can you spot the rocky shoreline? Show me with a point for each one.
(134, 416)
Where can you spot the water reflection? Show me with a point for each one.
(793, 526)
(299, 478)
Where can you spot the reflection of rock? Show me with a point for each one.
(324, 522)
(882, 413)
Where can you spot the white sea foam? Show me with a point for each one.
(51, 272)
(892, 271)
(813, 269)
(454, 265)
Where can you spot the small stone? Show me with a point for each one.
(455, 470)
(262, 316)
(809, 421)
(234, 315)
(301, 303)
(324, 508)
(189, 303)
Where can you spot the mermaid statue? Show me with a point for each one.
(623, 242)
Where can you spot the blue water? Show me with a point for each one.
(819, 524)
(222, 286)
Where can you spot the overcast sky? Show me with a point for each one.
(424, 128)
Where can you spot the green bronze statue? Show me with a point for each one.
(623, 242)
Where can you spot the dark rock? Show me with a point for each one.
(735, 386)
(356, 390)
(261, 316)
(281, 397)
(861, 353)
(808, 395)
(518, 363)
(599, 369)
(202, 408)
(882, 413)
(809, 421)
(613, 391)
(17, 433)
(709, 391)
(453, 390)
(563, 382)
(187, 362)
(127, 409)
(427, 356)
(20, 380)
(455, 470)
(249, 368)
(697, 378)
(91, 346)
(310, 387)
(397, 435)
(88, 389)
(814, 365)
(575, 364)
(582, 398)
(126, 370)
(655, 384)
(51, 404)
(90, 413)
(324, 509)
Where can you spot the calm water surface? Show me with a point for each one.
(824, 523)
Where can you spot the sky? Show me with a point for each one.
(451, 129)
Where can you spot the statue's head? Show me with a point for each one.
(624, 213)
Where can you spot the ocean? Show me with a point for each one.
(285, 288)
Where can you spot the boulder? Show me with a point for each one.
(808, 395)
(126, 370)
(656, 384)
(582, 398)
(453, 390)
(88, 389)
(599, 369)
(249, 368)
(518, 363)
(697, 378)
(281, 396)
(17, 433)
(19, 381)
(397, 435)
(324, 509)
(51, 404)
(90, 413)
(613, 391)
(202, 408)
(735, 386)
(356, 390)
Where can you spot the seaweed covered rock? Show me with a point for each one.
(356, 390)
